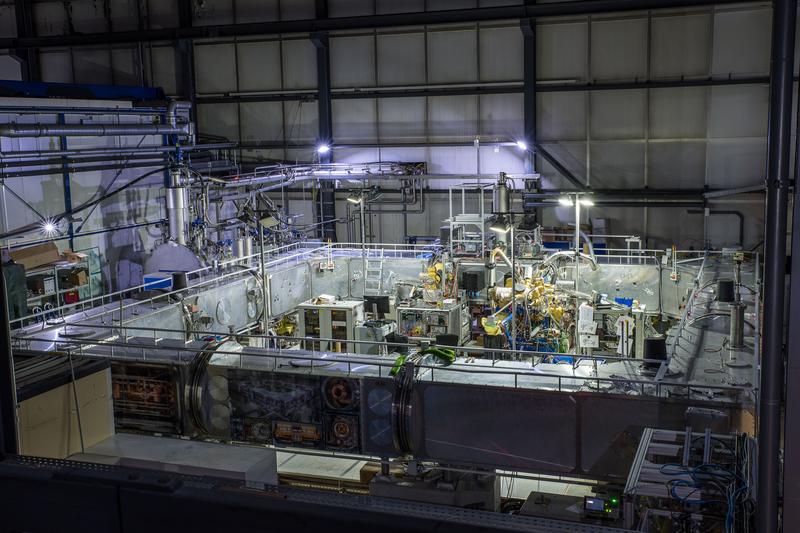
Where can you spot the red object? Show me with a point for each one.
(71, 297)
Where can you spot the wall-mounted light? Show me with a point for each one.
(354, 198)
(522, 145)
(323, 148)
(585, 201)
(566, 201)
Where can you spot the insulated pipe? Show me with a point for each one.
(570, 254)
(784, 14)
(88, 130)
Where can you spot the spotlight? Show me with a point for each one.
(522, 145)
(566, 201)
(585, 201)
(323, 149)
(500, 225)
(48, 228)
(354, 198)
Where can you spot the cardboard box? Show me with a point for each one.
(35, 256)
(74, 257)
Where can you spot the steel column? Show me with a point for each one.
(791, 446)
(184, 57)
(29, 58)
(8, 392)
(778, 169)
(326, 205)
(528, 27)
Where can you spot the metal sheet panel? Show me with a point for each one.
(514, 429)
(289, 288)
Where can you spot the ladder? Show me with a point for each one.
(373, 275)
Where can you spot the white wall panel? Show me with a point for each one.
(92, 66)
(299, 64)
(401, 59)
(739, 111)
(508, 159)
(215, 68)
(87, 16)
(676, 165)
(210, 12)
(161, 14)
(9, 68)
(736, 163)
(501, 116)
(354, 121)
(49, 18)
(561, 51)
(617, 165)
(297, 9)
(124, 14)
(439, 5)
(674, 226)
(402, 119)
(352, 61)
(678, 113)
(301, 121)
(350, 8)
(501, 55)
(259, 66)
(561, 116)
(125, 62)
(681, 45)
(453, 160)
(262, 121)
(619, 49)
(453, 117)
(8, 26)
(570, 154)
(399, 6)
(162, 59)
(218, 119)
(257, 10)
(618, 114)
(452, 56)
(742, 42)
(56, 66)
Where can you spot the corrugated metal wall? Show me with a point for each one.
(657, 138)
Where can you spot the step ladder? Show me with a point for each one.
(373, 275)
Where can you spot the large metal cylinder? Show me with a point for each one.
(737, 325)
(501, 198)
(176, 214)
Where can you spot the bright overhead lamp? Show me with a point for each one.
(48, 228)
(586, 201)
(355, 198)
(323, 148)
(566, 201)
(522, 145)
(500, 225)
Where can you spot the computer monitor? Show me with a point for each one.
(377, 304)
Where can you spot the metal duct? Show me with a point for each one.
(89, 130)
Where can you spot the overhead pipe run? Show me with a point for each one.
(177, 124)
(89, 130)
